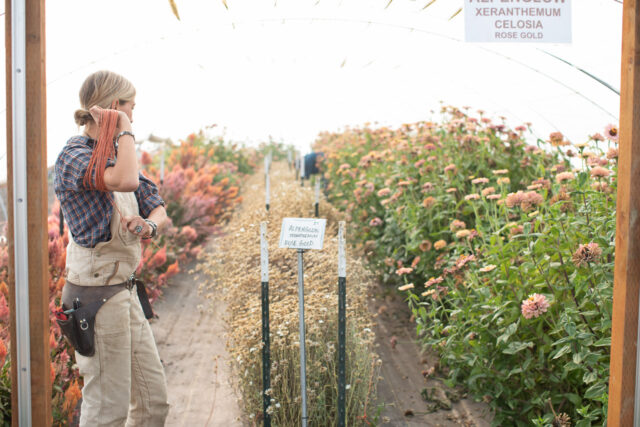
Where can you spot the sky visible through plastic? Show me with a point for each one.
(290, 69)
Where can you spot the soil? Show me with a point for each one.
(408, 393)
(190, 336)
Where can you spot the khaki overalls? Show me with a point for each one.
(124, 381)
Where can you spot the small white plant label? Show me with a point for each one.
(302, 233)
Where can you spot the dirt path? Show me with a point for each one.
(403, 368)
(190, 336)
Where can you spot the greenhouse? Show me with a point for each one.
(339, 212)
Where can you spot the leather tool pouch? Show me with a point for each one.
(144, 299)
(79, 326)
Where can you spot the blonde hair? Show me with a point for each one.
(102, 88)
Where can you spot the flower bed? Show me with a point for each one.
(235, 272)
(201, 189)
(505, 251)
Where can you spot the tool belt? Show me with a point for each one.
(80, 305)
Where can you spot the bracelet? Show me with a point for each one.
(154, 229)
(123, 133)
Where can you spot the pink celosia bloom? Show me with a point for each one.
(534, 306)
(599, 172)
(473, 196)
(433, 281)
(375, 222)
(403, 270)
(427, 186)
(450, 167)
(564, 176)
(611, 131)
(493, 196)
(419, 163)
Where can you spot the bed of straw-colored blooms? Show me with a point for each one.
(235, 270)
(200, 189)
(503, 247)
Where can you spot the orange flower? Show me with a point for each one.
(3, 352)
(173, 269)
(428, 202)
(71, 397)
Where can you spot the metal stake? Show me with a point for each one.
(317, 204)
(267, 190)
(303, 356)
(342, 321)
(266, 352)
(302, 171)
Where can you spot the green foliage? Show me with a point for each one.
(435, 214)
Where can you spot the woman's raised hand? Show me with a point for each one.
(123, 120)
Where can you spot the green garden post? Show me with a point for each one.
(342, 321)
(266, 353)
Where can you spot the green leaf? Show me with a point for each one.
(516, 347)
(595, 391)
(573, 398)
(603, 342)
(511, 329)
(589, 377)
(564, 350)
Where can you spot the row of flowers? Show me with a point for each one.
(200, 189)
(504, 249)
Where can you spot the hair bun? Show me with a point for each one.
(82, 116)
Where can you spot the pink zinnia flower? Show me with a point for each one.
(493, 196)
(612, 153)
(473, 196)
(480, 181)
(440, 244)
(564, 176)
(451, 168)
(457, 225)
(534, 306)
(599, 172)
(586, 253)
(375, 222)
(611, 132)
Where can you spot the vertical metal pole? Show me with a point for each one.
(317, 204)
(297, 166)
(302, 172)
(289, 156)
(303, 356)
(342, 322)
(21, 236)
(267, 190)
(162, 163)
(266, 352)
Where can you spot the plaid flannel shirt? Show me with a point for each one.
(88, 212)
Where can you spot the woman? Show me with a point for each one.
(109, 206)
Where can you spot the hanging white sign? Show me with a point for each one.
(518, 21)
(302, 233)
